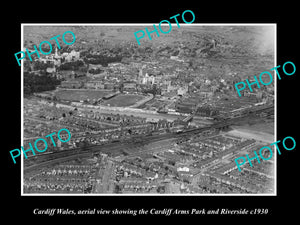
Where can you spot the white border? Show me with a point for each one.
(147, 24)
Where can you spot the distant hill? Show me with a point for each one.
(243, 48)
(250, 39)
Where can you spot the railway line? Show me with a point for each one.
(117, 147)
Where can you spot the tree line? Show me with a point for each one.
(34, 83)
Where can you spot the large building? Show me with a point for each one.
(129, 86)
(71, 84)
(185, 107)
(94, 84)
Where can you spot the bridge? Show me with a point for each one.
(188, 118)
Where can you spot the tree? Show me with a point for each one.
(76, 65)
(34, 83)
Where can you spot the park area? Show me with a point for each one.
(77, 95)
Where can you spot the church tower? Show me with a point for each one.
(56, 55)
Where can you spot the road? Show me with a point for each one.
(128, 112)
(251, 134)
(97, 121)
(106, 185)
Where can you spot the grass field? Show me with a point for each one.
(123, 100)
(78, 95)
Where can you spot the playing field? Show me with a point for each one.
(123, 100)
(78, 95)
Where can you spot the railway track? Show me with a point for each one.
(117, 147)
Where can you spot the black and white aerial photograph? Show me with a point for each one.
(158, 117)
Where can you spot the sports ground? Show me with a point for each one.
(77, 95)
